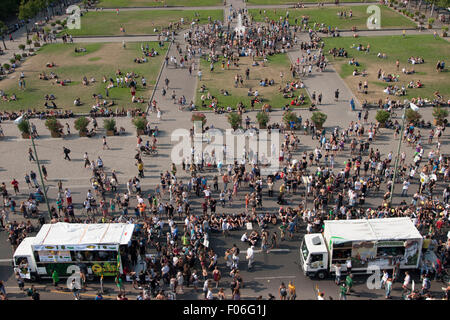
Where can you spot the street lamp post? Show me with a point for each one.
(398, 151)
(42, 179)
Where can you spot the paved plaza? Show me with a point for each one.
(270, 269)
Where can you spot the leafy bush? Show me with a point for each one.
(109, 124)
(319, 119)
(430, 21)
(263, 118)
(6, 66)
(445, 29)
(12, 60)
(289, 117)
(413, 116)
(24, 127)
(382, 116)
(199, 117)
(139, 122)
(81, 124)
(22, 47)
(440, 114)
(18, 57)
(235, 120)
(53, 125)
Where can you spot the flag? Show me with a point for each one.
(18, 120)
(413, 106)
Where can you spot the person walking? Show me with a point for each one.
(105, 145)
(66, 152)
(336, 95)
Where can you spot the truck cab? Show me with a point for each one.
(24, 261)
(314, 256)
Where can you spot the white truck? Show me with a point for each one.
(65, 246)
(368, 243)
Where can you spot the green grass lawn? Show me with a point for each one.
(395, 47)
(267, 2)
(99, 60)
(157, 3)
(224, 79)
(138, 22)
(328, 16)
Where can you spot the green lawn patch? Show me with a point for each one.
(138, 22)
(269, 2)
(157, 3)
(105, 60)
(224, 79)
(329, 17)
(396, 48)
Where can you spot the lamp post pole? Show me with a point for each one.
(398, 153)
(42, 179)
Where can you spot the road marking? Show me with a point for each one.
(269, 278)
(6, 260)
(274, 250)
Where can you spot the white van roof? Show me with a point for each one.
(62, 233)
(315, 243)
(24, 248)
(338, 231)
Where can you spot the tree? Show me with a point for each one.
(81, 124)
(440, 114)
(319, 119)
(413, 116)
(22, 47)
(289, 118)
(25, 13)
(235, 120)
(382, 116)
(3, 30)
(263, 118)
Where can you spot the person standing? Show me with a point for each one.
(343, 292)
(30, 155)
(55, 278)
(250, 257)
(349, 282)
(292, 292)
(406, 281)
(283, 291)
(15, 185)
(336, 95)
(388, 287)
(105, 145)
(44, 172)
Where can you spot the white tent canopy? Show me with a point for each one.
(80, 235)
(339, 231)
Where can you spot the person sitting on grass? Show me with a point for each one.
(77, 102)
(50, 64)
(13, 97)
(405, 71)
(42, 76)
(224, 92)
(84, 81)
